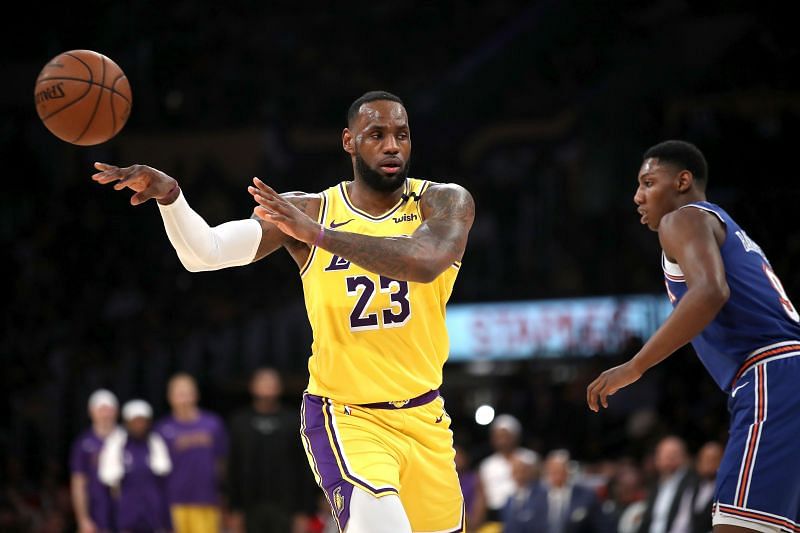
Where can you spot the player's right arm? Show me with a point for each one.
(199, 246)
(692, 238)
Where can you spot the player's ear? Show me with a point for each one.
(684, 180)
(347, 141)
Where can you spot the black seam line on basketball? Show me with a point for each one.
(113, 113)
(113, 109)
(90, 83)
(99, 97)
(85, 64)
(111, 104)
(88, 88)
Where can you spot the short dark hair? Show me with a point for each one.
(367, 97)
(682, 154)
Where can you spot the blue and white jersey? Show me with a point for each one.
(758, 318)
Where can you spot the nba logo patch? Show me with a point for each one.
(338, 500)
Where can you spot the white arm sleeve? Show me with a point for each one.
(201, 247)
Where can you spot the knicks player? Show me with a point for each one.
(378, 256)
(730, 304)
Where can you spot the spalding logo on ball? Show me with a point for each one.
(83, 97)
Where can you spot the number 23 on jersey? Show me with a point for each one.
(362, 288)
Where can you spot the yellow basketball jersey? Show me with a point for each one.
(375, 339)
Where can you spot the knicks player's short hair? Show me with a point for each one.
(368, 97)
(683, 155)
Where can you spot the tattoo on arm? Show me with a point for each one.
(448, 212)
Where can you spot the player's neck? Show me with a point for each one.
(691, 198)
(374, 202)
(186, 414)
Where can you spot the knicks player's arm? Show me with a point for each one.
(447, 211)
(199, 246)
(692, 238)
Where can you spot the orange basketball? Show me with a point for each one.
(83, 97)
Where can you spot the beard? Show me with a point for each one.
(377, 180)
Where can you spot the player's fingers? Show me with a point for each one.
(604, 399)
(591, 395)
(262, 200)
(104, 166)
(274, 203)
(127, 176)
(257, 193)
(105, 177)
(269, 216)
(264, 187)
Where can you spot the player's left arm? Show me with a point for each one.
(448, 211)
(691, 237)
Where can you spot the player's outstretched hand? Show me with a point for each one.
(146, 181)
(608, 383)
(274, 208)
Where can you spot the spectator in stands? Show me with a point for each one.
(675, 479)
(133, 463)
(198, 445)
(91, 499)
(518, 514)
(495, 470)
(557, 504)
(626, 501)
(270, 485)
(471, 488)
(706, 465)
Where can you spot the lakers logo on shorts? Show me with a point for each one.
(399, 404)
(338, 500)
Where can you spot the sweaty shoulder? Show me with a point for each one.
(447, 200)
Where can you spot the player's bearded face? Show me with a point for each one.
(377, 179)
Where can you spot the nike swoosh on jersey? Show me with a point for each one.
(733, 394)
(335, 225)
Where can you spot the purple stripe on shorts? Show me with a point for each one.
(422, 399)
(338, 450)
(337, 490)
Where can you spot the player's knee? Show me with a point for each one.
(370, 514)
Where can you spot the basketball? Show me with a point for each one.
(83, 97)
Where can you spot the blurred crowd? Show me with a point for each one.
(194, 471)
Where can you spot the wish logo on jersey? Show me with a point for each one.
(406, 218)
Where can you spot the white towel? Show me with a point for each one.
(111, 468)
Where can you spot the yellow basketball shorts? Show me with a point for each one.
(403, 448)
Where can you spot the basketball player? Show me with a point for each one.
(732, 307)
(378, 257)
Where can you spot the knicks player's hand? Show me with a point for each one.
(274, 208)
(608, 383)
(146, 182)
